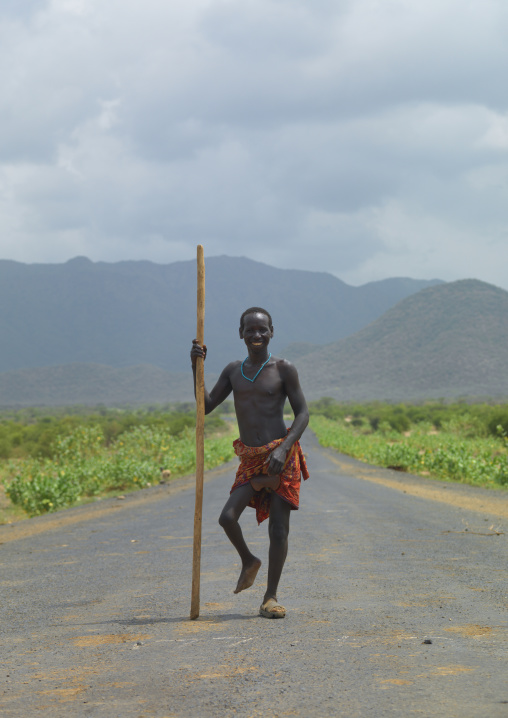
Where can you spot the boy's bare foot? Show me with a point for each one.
(248, 575)
(265, 482)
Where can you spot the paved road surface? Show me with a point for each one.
(397, 605)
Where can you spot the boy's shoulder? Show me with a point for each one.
(232, 366)
(281, 360)
(284, 364)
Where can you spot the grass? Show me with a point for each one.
(84, 465)
(422, 449)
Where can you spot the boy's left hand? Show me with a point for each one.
(276, 460)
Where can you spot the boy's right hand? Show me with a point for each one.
(197, 351)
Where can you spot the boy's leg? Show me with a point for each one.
(278, 530)
(228, 519)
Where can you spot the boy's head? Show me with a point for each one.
(255, 310)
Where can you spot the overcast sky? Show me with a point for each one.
(367, 138)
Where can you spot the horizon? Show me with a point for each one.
(230, 256)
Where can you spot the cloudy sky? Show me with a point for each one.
(367, 138)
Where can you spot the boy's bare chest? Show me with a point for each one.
(267, 385)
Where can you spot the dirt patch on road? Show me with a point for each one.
(470, 631)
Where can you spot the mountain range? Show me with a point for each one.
(94, 385)
(89, 333)
(129, 313)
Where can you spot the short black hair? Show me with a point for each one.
(255, 310)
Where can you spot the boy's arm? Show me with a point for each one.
(299, 406)
(222, 388)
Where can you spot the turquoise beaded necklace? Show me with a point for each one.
(259, 370)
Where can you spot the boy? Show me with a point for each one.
(271, 460)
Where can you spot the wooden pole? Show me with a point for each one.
(200, 431)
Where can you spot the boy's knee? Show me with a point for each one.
(278, 531)
(226, 519)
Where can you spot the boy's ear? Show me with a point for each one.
(240, 332)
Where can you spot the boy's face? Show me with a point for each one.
(256, 331)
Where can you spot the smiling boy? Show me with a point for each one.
(271, 460)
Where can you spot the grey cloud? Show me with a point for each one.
(21, 12)
(358, 65)
(273, 31)
(325, 135)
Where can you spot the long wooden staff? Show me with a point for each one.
(200, 439)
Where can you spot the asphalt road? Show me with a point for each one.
(397, 605)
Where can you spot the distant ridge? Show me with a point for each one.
(132, 313)
(92, 385)
(449, 341)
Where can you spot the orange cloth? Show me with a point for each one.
(253, 463)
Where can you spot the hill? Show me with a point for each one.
(133, 313)
(449, 340)
(93, 385)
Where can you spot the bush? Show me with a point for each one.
(498, 424)
(32, 435)
(83, 466)
(480, 461)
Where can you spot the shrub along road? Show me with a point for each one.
(396, 604)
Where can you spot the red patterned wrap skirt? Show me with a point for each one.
(253, 462)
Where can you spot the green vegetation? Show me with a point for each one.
(33, 432)
(455, 442)
(52, 462)
(56, 458)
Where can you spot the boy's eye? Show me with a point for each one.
(259, 330)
